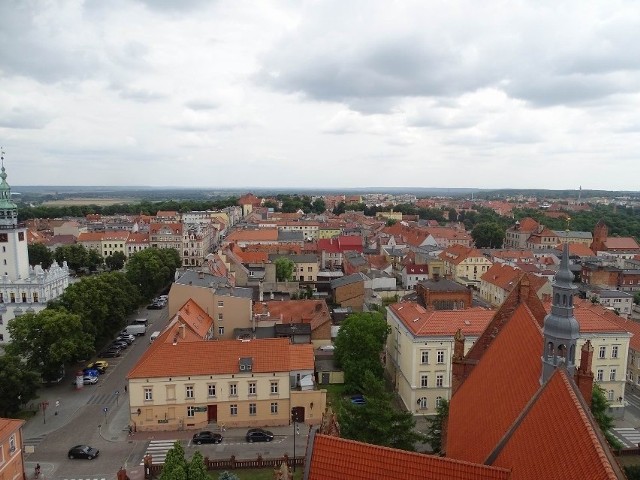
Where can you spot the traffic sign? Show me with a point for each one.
(105, 409)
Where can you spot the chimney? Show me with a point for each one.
(457, 362)
(260, 292)
(201, 274)
(584, 375)
(182, 329)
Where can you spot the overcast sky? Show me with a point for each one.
(485, 94)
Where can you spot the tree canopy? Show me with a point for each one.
(377, 421)
(19, 385)
(359, 346)
(47, 340)
(284, 269)
(436, 424)
(115, 261)
(152, 269)
(488, 235)
(39, 254)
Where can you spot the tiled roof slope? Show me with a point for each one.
(218, 357)
(335, 458)
(423, 322)
(633, 328)
(577, 453)
(314, 312)
(498, 388)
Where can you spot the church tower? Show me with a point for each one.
(14, 254)
(600, 235)
(561, 329)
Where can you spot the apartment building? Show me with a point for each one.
(182, 384)
(11, 453)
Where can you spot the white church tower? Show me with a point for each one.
(14, 254)
(23, 289)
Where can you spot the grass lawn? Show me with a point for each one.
(255, 474)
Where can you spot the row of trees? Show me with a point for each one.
(26, 211)
(359, 346)
(86, 316)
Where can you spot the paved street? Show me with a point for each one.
(98, 415)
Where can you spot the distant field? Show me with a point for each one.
(68, 202)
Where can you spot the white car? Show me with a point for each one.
(327, 348)
(89, 380)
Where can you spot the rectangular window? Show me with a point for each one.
(603, 352)
(612, 375)
(148, 394)
(220, 303)
(424, 356)
(220, 316)
(440, 356)
(439, 380)
(614, 351)
(600, 375)
(274, 388)
(274, 407)
(424, 381)
(233, 409)
(20, 236)
(252, 388)
(12, 443)
(610, 395)
(189, 391)
(252, 409)
(233, 390)
(211, 390)
(191, 411)
(309, 269)
(438, 402)
(220, 330)
(171, 392)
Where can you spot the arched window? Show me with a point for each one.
(438, 401)
(571, 300)
(564, 300)
(557, 299)
(550, 351)
(572, 354)
(562, 351)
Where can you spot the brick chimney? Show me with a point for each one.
(584, 374)
(457, 362)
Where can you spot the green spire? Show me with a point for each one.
(8, 209)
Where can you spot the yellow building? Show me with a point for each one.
(329, 232)
(419, 351)
(183, 383)
(465, 265)
(11, 453)
(229, 307)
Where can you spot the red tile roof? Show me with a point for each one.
(499, 387)
(592, 318)
(7, 427)
(314, 312)
(335, 458)
(417, 269)
(220, 357)
(621, 243)
(577, 452)
(420, 321)
(262, 235)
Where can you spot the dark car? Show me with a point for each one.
(121, 344)
(110, 353)
(154, 306)
(259, 435)
(358, 400)
(126, 338)
(83, 451)
(206, 437)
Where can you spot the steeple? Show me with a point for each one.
(561, 329)
(8, 209)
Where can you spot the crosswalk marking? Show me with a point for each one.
(88, 478)
(102, 399)
(158, 450)
(628, 435)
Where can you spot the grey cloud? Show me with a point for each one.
(23, 118)
(141, 95)
(174, 6)
(202, 104)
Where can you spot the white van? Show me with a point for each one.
(153, 336)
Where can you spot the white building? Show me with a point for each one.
(23, 289)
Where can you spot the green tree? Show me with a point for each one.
(339, 209)
(636, 298)
(197, 470)
(599, 408)
(284, 269)
(93, 260)
(391, 222)
(47, 340)
(359, 345)
(318, 206)
(175, 465)
(434, 431)
(19, 385)
(377, 421)
(152, 269)
(39, 254)
(488, 235)
(75, 255)
(115, 261)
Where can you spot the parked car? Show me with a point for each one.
(89, 380)
(121, 344)
(155, 306)
(358, 400)
(126, 338)
(110, 353)
(99, 365)
(259, 435)
(83, 451)
(206, 437)
(91, 372)
(327, 348)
